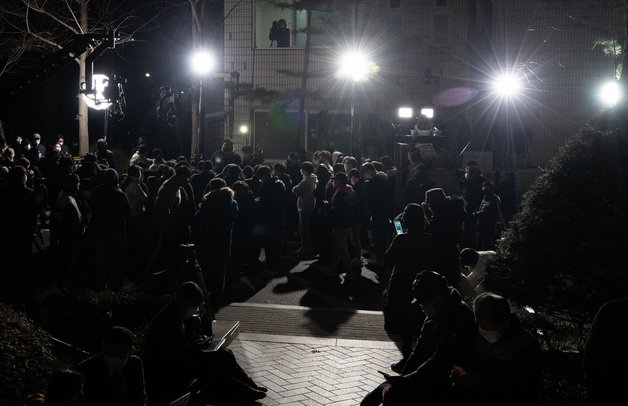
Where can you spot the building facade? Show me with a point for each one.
(442, 54)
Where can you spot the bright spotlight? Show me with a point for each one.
(427, 112)
(610, 94)
(405, 112)
(147, 74)
(244, 129)
(97, 100)
(356, 65)
(202, 62)
(507, 85)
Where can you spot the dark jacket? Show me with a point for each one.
(270, 205)
(488, 213)
(213, 223)
(380, 196)
(103, 389)
(110, 209)
(408, 254)
(342, 207)
(445, 340)
(447, 221)
(509, 370)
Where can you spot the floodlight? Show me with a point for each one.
(244, 129)
(202, 62)
(96, 98)
(354, 65)
(405, 112)
(507, 85)
(427, 112)
(147, 74)
(610, 94)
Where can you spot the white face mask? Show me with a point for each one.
(429, 310)
(490, 336)
(37, 142)
(114, 364)
(192, 311)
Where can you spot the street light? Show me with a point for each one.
(610, 94)
(507, 85)
(357, 66)
(201, 63)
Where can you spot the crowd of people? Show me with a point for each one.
(239, 213)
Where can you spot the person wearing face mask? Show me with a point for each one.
(507, 366)
(65, 149)
(175, 356)
(114, 376)
(36, 143)
(446, 339)
(486, 218)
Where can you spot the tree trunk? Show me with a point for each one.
(82, 106)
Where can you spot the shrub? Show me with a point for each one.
(25, 355)
(565, 253)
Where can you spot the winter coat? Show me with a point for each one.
(213, 223)
(305, 192)
(342, 207)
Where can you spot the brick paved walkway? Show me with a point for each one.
(315, 371)
(291, 351)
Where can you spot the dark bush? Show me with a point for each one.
(565, 253)
(26, 356)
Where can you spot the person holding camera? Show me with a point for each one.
(279, 34)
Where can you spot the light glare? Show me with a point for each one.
(405, 112)
(97, 100)
(355, 65)
(427, 112)
(202, 62)
(610, 94)
(244, 129)
(507, 85)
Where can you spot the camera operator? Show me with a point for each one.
(279, 34)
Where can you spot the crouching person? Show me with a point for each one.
(507, 367)
(114, 376)
(176, 354)
(446, 339)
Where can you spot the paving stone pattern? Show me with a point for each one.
(313, 374)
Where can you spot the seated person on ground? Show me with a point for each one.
(176, 355)
(445, 340)
(114, 376)
(507, 368)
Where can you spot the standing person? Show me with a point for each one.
(36, 144)
(114, 376)
(65, 149)
(213, 229)
(360, 220)
(410, 251)
(68, 226)
(165, 212)
(486, 218)
(104, 153)
(279, 35)
(305, 205)
(225, 156)
(270, 212)
(471, 187)
(140, 157)
(341, 213)
(379, 203)
(110, 210)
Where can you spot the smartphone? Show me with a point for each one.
(398, 227)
